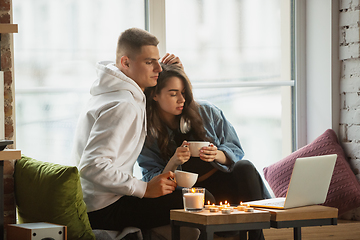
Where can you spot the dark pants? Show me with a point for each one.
(243, 184)
(131, 211)
(144, 213)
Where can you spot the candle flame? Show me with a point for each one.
(208, 202)
(193, 190)
(220, 203)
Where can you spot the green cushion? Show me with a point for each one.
(48, 192)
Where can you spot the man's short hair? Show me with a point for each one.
(131, 40)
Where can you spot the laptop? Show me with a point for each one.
(309, 184)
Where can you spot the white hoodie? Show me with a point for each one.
(109, 137)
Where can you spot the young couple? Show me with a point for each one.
(111, 133)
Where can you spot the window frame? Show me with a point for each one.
(317, 66)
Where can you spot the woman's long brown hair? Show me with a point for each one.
(156, 127)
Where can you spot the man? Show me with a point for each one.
(111, 134)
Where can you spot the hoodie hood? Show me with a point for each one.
(111, 79)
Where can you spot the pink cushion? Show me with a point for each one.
(344, 190)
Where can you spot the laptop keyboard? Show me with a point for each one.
(276, 204)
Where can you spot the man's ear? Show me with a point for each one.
(125, 61)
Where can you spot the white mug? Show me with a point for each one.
(195, 147)
(185, 179)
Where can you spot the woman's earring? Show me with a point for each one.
(185, 125)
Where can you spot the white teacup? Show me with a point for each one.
(195, 147)
(185, 179)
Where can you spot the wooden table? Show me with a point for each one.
(7, 154)
(208, 223)
(296, 218)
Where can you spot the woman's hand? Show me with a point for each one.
(208, 154)
(211, 153)
(181, 156)
(171, 59)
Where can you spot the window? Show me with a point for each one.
(235, 52)
(56, 49)
(237, 55)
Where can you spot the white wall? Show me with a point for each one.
(350, 81)
(321, 68)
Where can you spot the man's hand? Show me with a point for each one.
(171, 59)
(160, 185)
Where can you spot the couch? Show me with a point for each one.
(48, 192)
(51, 192)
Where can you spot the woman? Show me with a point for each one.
(173, 118)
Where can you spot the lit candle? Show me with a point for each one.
(226, 210)
(214, 209)
(241, 207)
(193, 200)
(249, 209)
(223, 205)
(208, 206)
